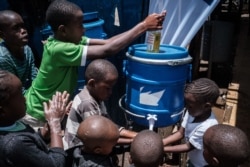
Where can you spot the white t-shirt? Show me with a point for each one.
(194, 134)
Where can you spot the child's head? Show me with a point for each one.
(101, 75)
(225, 145)
(146, 149)
(200, 95)
(12, 29)
(12, 101)
(98, 134)
(65, 19)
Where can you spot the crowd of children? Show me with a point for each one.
(33, 105)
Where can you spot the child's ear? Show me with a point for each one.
(91, 82)
(215, 162)
(208, 105)
(62, 29)
(98, 150)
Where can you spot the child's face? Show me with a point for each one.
(103, 89)
(15, 107)
(194, 107)
(15, 32)
(74, 30)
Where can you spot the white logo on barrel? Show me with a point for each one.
(150, 98)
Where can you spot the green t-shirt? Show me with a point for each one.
(58, 72)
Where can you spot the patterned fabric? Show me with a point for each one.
(21, 146)
(58, 72)
(194, 134)
(24, 69)
(84, 105)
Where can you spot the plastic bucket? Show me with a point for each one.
(155, 84)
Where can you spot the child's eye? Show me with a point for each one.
(19, 27)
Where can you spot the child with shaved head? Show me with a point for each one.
(146, 149)
(99, 136)
(225, 146)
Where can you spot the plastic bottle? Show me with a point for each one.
(153, 41)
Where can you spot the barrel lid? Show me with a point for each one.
(93, 24)
(90, 17)
(165, 52)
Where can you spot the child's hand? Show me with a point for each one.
(154, 21)
(65, 98)
(55, 110)
(68, 107)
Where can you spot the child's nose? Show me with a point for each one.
(23, 31)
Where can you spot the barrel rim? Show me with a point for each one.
(170, 62)
(165, 52)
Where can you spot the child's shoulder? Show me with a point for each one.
(212, 118)
(209, 122)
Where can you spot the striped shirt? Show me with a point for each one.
(24, 69)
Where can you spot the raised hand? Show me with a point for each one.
(66, 104)
(55, 110)
(154, 21)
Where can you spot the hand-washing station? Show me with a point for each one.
(155, 84)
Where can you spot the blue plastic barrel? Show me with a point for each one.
(155, 84)
(93, 29)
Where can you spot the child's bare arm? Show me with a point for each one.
(126, 136)
(115, 44)
(127, 133)
(186, 147)
(152, 22)
(174, 137)
(54, 113)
